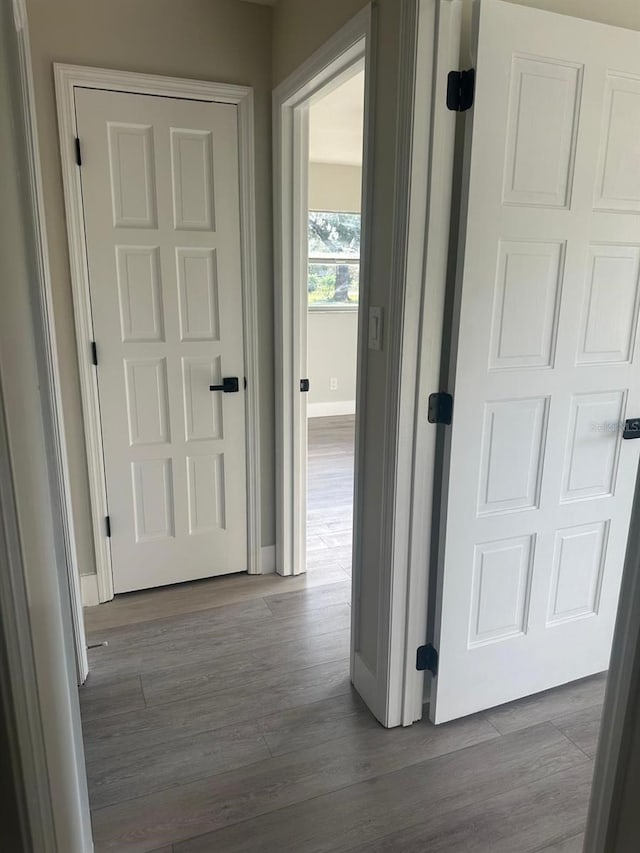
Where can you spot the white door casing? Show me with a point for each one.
(546, 367)
(333, 63)
(160, 192)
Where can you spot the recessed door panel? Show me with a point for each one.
(593, 444)
(578, 564)
(140, 294)
(193, 192)
(619, 172)
(133, 174)
(526, 301)
(539, 162)
(610, 307)
(513, 445)
(147, 402)
(202, 413)
(501, 579)
(206, 478)
(153, 499)
(198, 293)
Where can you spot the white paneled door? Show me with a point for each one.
(547, 365)
(161, 208)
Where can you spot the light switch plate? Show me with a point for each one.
(375, 328)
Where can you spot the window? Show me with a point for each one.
(334, 259)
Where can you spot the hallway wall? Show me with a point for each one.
(221, 40)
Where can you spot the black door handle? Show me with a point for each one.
(304, 384)
(229, 385)
(631, 428)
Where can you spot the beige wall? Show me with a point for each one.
(221, 40)
(332, 344)
(302, 26)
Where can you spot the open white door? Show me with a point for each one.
(546, 366)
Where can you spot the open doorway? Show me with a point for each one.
(334, 192)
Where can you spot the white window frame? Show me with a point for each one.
(325, 307)
(337, 307)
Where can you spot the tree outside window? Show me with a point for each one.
(334, 259)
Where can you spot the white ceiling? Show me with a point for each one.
(336, 125)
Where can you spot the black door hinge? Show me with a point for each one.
(107, 524)
(460, 87)
(94, 353)
(440, 409)
(427, 659)
(78, 152)
(304, 385)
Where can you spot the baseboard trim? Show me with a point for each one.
(328, 410)
(89, 583)
(267, 559)
(89, 590)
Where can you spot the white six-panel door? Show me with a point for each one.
(547, 364)
(161, 210)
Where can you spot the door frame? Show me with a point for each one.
(40, 606)
(412, 330)
(329, 66)
(49, 351)
(67, 77)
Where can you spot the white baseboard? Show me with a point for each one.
(268, 559)
(89, 583)
(89, 590)
(327, 410)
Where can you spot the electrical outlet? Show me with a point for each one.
(333, 383)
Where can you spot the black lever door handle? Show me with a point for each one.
(631, 428)
(229, 385)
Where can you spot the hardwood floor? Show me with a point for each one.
(330, 494)
(220, 719)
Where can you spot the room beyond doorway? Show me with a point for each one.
(332, 294)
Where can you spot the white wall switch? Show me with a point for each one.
(333, 383)
(375, 328)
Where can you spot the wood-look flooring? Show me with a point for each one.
(220, 719)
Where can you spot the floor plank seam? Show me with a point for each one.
(175, 786)
(571, 740)
(382, 836)
(226, 691)
(559, 839)
(301, 801)
(495, 728)
(479, 801)
(144, 696)
(217, 691)
(199, 777)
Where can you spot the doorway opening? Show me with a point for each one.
(331, 289)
